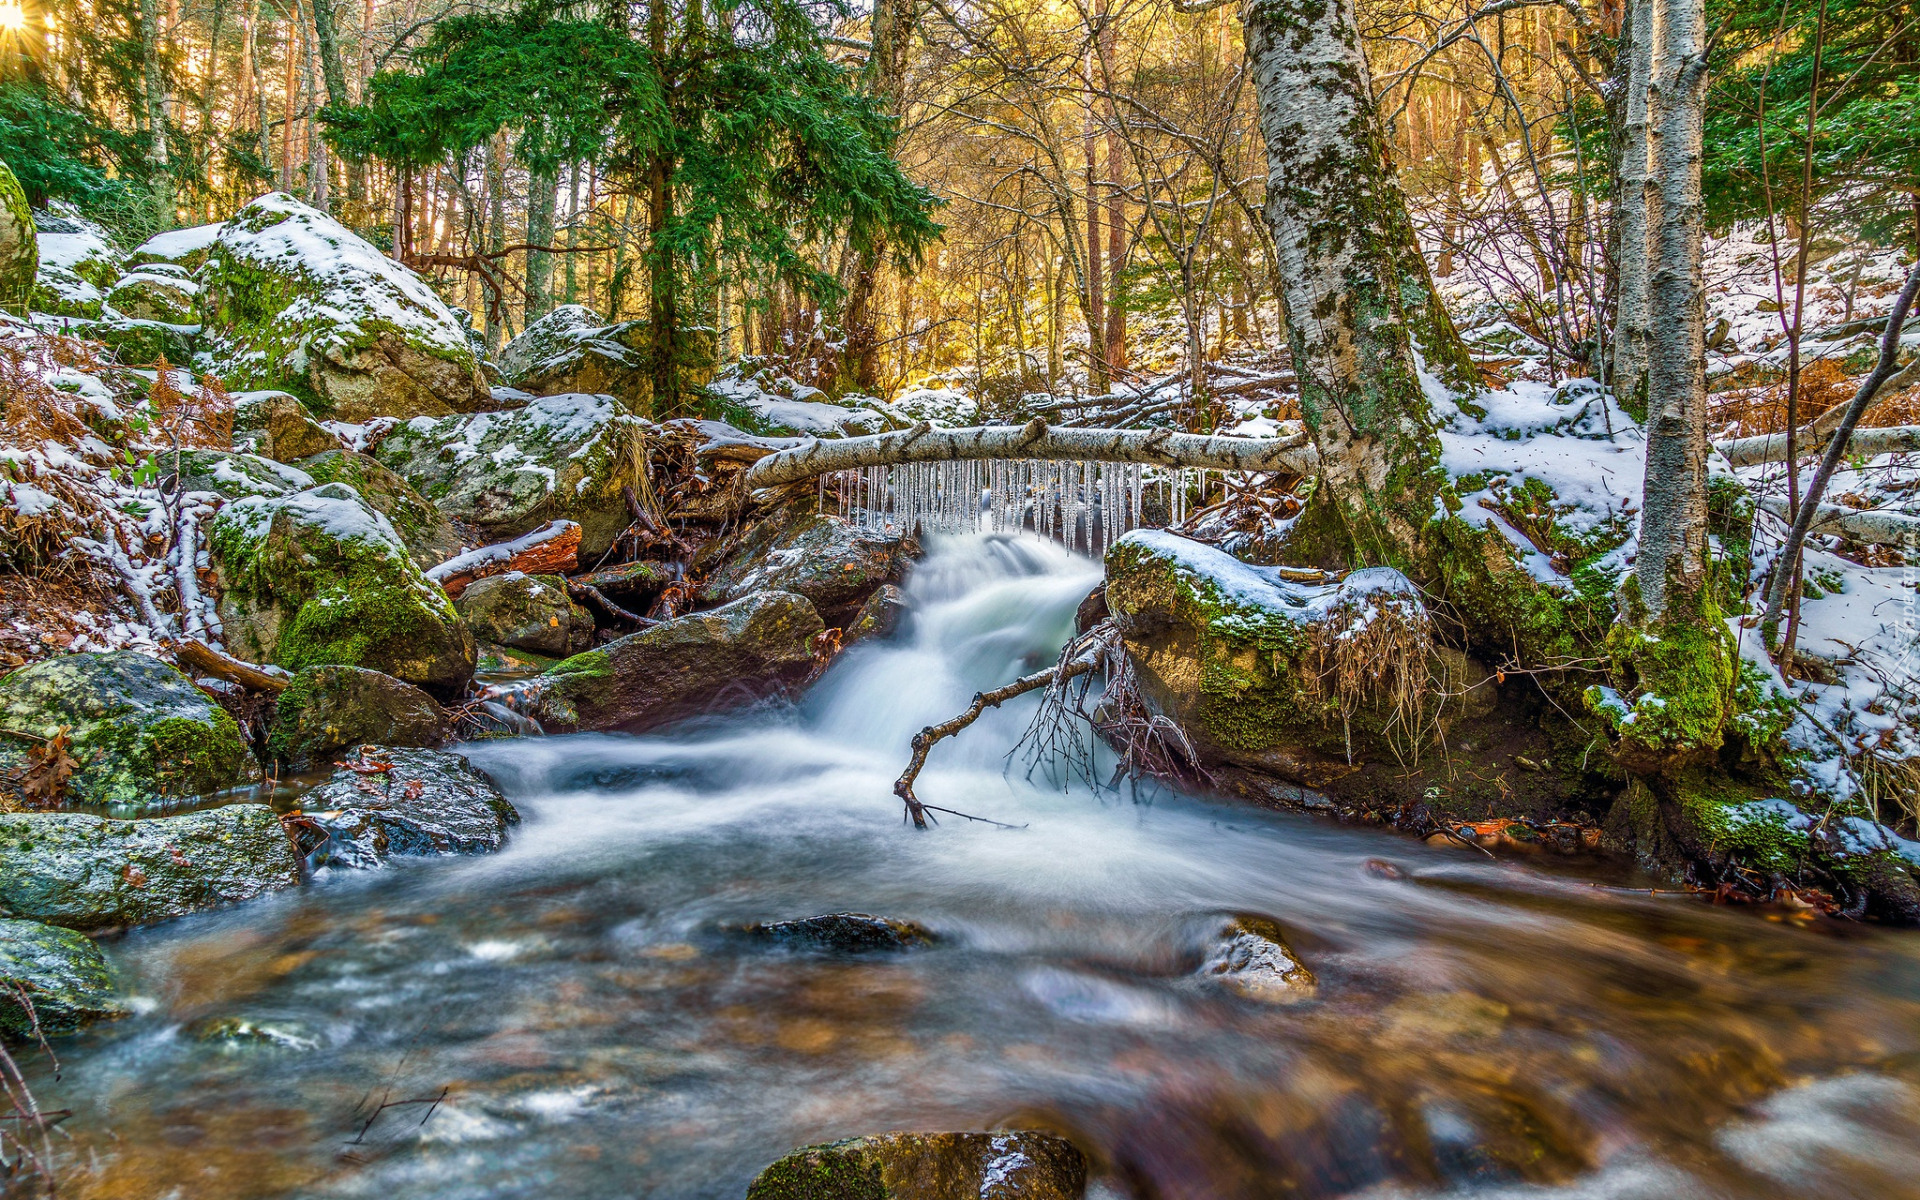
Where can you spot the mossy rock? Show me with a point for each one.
(825, 558)
(184, 248)
(78, 263)
(139, 729)
(294, 300)
(317, 577)
(1015, 1165)
(327, 710)
(429, 536)
(19, 245)
(572, 349)
(277, 426)
(138, 343)
(753, 647)
(86, 872)
(63, 975)
(880, 617)
(425, 802)
(156, 296)
(525, 612)
(229, 474)
(508, 473)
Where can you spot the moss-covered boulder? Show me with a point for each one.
(753, 647)
(405, 801)
(429, 536)
(1015, 1165)
(327, 710)
(277, 426)
(63, 976)
(508, 473)
(183, 248)
(1262, 673)
(156, 295)
(525, 612)
(228, 474)
(19, 245)
(87, 872)
(825, 558)
(78, 263)
(292, 299)
(572, 349)
(137, 343)
(317, 577)
(138, 730)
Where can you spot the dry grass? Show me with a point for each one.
(1759, 408)
(1373, 651)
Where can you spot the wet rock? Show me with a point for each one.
(429, 536)
(293, 299)
(19, 245)
(828, 560)
(526, 612)
(707, 661)
(318, 577)
(87, 872)
(848, 931)
(333, 708)
(426, 802)
(1091, 611)
(63, 974)
(138, 730)
(239, 1032)
(880, 616)
(1249, 955)
(156, 296)
(572, 349)
(277, 426)
(1017, 1165)
(508, 473)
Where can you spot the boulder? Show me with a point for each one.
(326, 710)
(879, 617)
(19, 245)
(138, 343)
(183, 248)
(156, 296)
(78, 263)
(63, 974)
(230, 475)
(851, 932)
(87, 872)
(138, 730)
(429, 536)
(277, 426)
(1015, 1165)
(825, 558)
(508, 473)
(1248, 954)
(693, 664)
(317, 577)
(572, 349)
(1301, 682)
(292, 299)
(525, 612)
(422, 802)
(775, 404)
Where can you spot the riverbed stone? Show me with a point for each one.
(63, 974)
(1248, 954)
(1014, 1165)
(19, 245)
(525, 612)
(294, 300)
(318, 577)
(732, 655)
(329, 709)
(825, 558)
(430, 537)
(138, 730)
(424, 802)
(89, 873)
(880, 616)
(853, 932)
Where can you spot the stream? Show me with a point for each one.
(577, 1016)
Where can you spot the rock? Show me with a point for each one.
(139, 343)
(827, 559)
(63, 974)
(139, 729)
(1246, 661)
(293, 299)
(19, 245)
(848, 931)
(572, 349)
(681, 667)
(156, 296)
(525, 612)
(429, 802)
(1016, 1165)
(183, 248)
(87, 872)
(277, 426)
(230, 475)
(879, 617)
(509, 473)
(317, 577)
(239, 1032)
(78, 263)
(1249, 955)
(429, 536)
(326, 710)
(1091, 611)
(775, 404)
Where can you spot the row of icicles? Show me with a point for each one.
(1084, 505)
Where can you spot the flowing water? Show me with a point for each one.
(574, 1018)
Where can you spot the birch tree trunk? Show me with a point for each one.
(1630, 210)
(1361, 310)
(156, 97)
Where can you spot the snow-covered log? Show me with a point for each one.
(1034, 440)
(553, 548)
(1772, 447)
(1874, 527)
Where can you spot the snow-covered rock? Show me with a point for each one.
(572, 349)
(781, 407)
(78, 262)
(293, 299)
(156, 296)
(186, 248)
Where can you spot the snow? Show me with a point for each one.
(179, 243)
(70, 251)
(499, 552)
(1249, 595)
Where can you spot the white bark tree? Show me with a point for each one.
(1630, 207)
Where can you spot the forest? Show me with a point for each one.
(942, 598)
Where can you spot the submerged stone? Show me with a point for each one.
(64, 978)
(1249, 955)
(87, 872)
(1016, 1165)
(848, 931)
(405, 801)
(333, 708)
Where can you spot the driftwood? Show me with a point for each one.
(1034, 440)
(552, 549)
(205, 660)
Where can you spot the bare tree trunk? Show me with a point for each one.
(540, 203)
(1096, 273)
(496, 232)
(288, 94)
(1116, 355)
(156, 97)
(892, 28)
(1630, 211)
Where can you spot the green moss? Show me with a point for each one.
(187, 756)
(821, 1173)
(592, 665)
(1684, 676)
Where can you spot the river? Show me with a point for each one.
(576, 1016)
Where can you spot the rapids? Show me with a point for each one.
(573, 1017)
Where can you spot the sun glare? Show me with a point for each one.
(13, 16)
